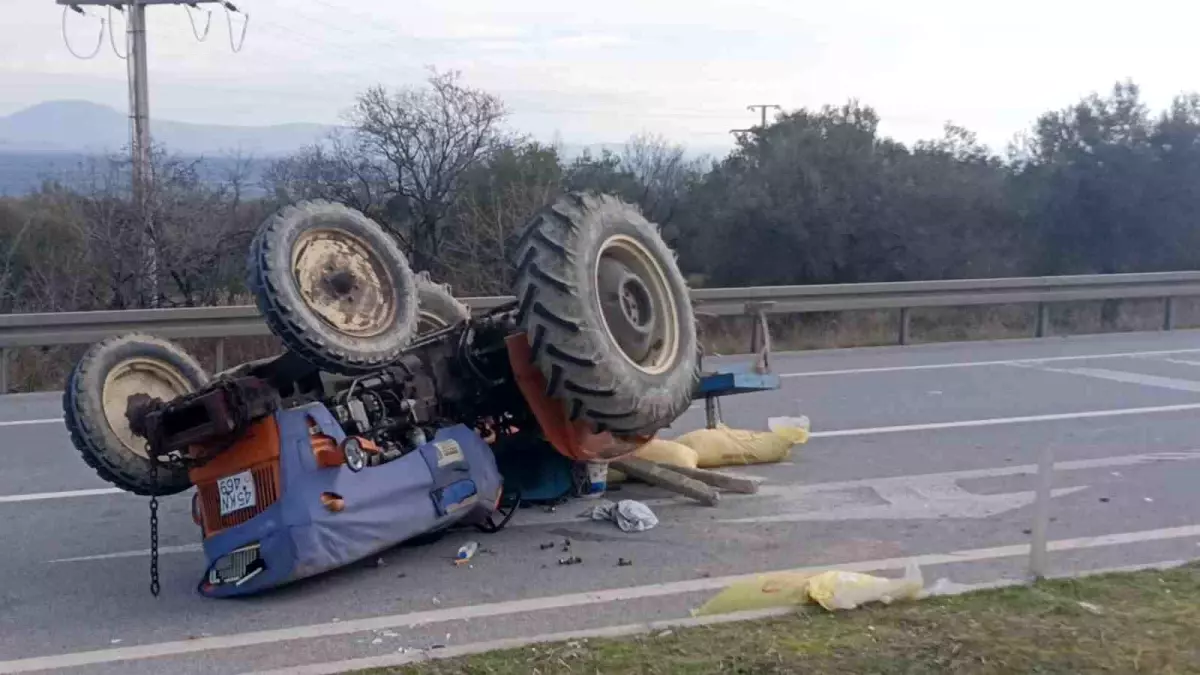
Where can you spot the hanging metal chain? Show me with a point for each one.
(154, 586)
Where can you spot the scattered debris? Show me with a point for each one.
(624, 562)
(390, 633)
(1147, 499)
(335, 620)
(548, 545)
(115, 641)
(573, 560)
(665, 633)
(1094, 609)
(436, 601)
(377, 641)
(380, 562)
(629, 515)
(466, 552)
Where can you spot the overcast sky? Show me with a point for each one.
(598, 71)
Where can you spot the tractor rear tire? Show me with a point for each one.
(96, 398)
(607, 314)
(436, 306)
(334, 286)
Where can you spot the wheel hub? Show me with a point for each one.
(637, 304)
(344, 283)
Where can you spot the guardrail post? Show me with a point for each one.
(4, 371)
(219, 360)
(1169, 312)
(1041, 514)
(904, 325)
(1043, 319)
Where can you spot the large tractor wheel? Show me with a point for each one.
(334, 286)
(436, 306)
(97, 398)
(607, 314)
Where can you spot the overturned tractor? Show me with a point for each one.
(393, 409)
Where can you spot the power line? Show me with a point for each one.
(139, 103)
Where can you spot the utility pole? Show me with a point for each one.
(763, 107)
(763, 125)
(139, 113)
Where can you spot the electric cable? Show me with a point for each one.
(229, 10)
(200, 37)
(112, 39)
(67, 41)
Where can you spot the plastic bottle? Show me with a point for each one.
(466, 552)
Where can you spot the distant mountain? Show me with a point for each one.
(53, 140)
(89, 128)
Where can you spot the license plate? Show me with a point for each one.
(237, 492)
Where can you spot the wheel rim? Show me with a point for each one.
(344, 283)
(639, 310)
(150, 377)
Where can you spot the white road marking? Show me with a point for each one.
(791, 491)
(41, 496)
(868, 431)
(980, 364)
(995, 421)
(628, 630)
(162, 550)
(1130, 378)
(468, 612)
(22, 423)
(904, 501)
(838, 497)
(1182, 362)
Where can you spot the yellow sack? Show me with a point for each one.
(667, 452)
(724, 446)
(847, 590)
(780, 589)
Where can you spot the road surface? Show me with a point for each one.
(919, 454)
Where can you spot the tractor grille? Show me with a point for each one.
(266, 488)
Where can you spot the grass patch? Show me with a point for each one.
(1142, 622)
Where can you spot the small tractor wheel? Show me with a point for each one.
(334, 286)
(97, 397)
(607, 314)
(436, 306)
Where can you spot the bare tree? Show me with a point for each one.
(338, 169)
(662, 174)
(495, 201)
(424, 140)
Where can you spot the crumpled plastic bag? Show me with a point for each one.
(724, 446)
(838, 590)
(778, 589)
(670, 453)
(629, 515)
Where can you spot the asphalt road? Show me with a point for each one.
(920, 454)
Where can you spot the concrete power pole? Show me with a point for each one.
(139, 114)
(763, 107)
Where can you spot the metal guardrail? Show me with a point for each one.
(64, 328)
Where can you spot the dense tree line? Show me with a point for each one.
(817, 196)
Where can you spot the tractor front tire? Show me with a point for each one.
(607, 314)
(97, 397)
(334, 286)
